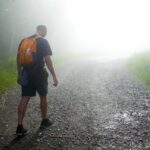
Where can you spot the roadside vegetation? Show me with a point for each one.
(7, 73)
(139, 65)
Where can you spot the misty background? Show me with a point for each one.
(105, 29)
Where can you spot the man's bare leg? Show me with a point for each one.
(45, 121)
(22, 107)
(43, 105)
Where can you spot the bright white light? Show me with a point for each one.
(106, 28)
(113, 28)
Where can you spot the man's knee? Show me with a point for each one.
(24, 101)
(43, 97)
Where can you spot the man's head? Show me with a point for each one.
(41, 30)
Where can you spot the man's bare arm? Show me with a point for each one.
(49, 65)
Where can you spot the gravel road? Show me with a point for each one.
(97, 106)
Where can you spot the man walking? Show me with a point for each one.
(33, 53)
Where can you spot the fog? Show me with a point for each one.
(103, 28)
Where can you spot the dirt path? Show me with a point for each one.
(97, 106)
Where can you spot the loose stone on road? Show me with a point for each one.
(97, 106)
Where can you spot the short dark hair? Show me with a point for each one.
(41, 28)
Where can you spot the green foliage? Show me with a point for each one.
(139, 64)
(7, 73)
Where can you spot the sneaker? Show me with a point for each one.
(45, 123)
(20, 130)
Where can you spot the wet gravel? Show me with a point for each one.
(97, 106)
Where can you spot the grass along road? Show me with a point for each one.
(139, 65)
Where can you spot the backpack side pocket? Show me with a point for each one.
(24, 78)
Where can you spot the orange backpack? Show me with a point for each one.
(27, 51)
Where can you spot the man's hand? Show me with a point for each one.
(49, 64)
(55, 82)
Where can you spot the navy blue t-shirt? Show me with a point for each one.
(43, 49)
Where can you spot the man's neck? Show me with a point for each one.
(38, 35)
